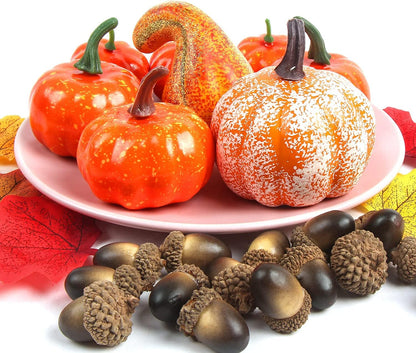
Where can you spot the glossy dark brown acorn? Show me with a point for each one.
(222, 328)
(170, 294)
(81, 277)
(276, 291)
(70, 321)
(116, 254)
(327, 227)
(200, 249)
(387, 225)
(320, 282)
(219, 264)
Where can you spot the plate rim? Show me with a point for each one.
(223, 228)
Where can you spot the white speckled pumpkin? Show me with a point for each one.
(293, 135)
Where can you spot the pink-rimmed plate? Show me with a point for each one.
(215, 208)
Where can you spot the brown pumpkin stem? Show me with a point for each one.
(291, 66)
(144, 104)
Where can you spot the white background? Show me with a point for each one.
(378, 35)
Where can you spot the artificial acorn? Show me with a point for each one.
(231, 279)
(80, 277)
(268, 246)
(308, 264)
(213, 322)
(146, 258)
(279, 295)
(101, 315)
(386, 224)
(404, 257)
(194, 248)
(359, 262)
(323, 230)
(170, 293)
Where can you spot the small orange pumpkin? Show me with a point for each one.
(293, 135)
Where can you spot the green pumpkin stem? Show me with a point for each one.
(144, 104)
(110, 45)
(317, 51)
(268, 38)
(291, 66)
(90, 61)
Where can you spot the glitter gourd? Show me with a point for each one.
(293, 135)
(206, 62)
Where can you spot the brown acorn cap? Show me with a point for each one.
(362, 220)
(190, 312)
(201, 278)
(299, 237)
(107, 313)
(128, 279)
(294, 322)
(359, 262)
(233, 284)
(149, 263)
(171, 250)
(295, 257)
(404, 257)
(257, 256)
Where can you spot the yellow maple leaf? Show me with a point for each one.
(399, 195)
(8, 129)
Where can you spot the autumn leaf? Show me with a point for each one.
(407, 127)
(15, 183)
(399, 195)
(8, 128)
(38, 235)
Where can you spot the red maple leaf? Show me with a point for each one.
(407, 127)
(38, 235)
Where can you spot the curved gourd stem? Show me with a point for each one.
(110, 45)
(317, 51)
(268, 38)
(90, 61)
(291, 66)
(144, 104)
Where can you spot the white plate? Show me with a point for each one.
(215, 208)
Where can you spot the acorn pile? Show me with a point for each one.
(193, 279)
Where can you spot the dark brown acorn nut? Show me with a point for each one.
(308, 264)
(101, 315)
(281, 298)
(80, 277)
(169, 295)
(213, 322)
(232, 282)
(116, 254)
(404, 257)
(268, 246)
(219, 264)
(359, 262)
(327, 227)
(386, 224)
(194, 248)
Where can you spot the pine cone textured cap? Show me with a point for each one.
(149, 263)
(295, 257)
(293, 323)
(201, 278)
(190, 312)
(233, 284)
(171, 250)
(128, 278)
(299, 237)
(107, 313)
(359, 262)
(404, 257)
(257, 256)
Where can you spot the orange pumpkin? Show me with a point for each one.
(293, 135)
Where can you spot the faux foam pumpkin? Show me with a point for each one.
(293, 135)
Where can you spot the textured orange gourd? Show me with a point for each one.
(206, 62)
(293, 141)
